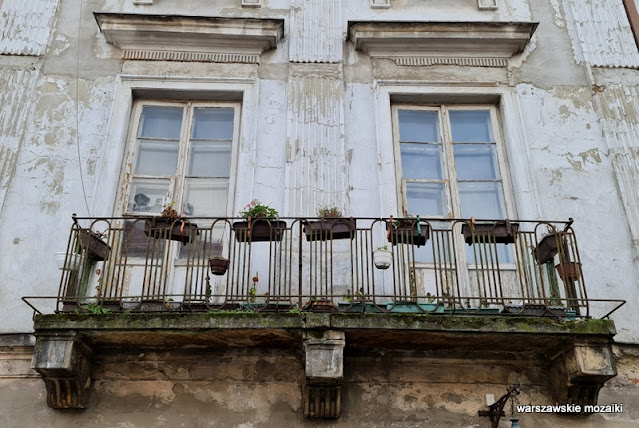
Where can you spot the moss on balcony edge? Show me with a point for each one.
(346, 321)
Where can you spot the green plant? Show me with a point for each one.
(383, 248)
(255, 208)
(96, 309)
(252, 294)
(403, 223)
(328, 211)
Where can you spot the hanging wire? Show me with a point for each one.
(77, 112)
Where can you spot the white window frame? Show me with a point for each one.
(449, 178)
(178, 181)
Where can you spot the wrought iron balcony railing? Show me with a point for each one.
(342, 264)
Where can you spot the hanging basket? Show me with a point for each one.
(219, 265)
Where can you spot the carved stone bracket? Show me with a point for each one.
(63, 362)
(580, 371)
(324, 352)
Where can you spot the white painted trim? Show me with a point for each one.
(520, 177)
(108, 180)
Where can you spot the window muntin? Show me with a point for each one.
(182, 153)
(449, 165)
(449, 161)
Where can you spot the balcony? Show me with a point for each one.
(360, 283)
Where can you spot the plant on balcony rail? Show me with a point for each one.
(169, 226)
(260, 225)
(330, 226)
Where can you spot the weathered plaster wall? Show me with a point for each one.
(318, 126)
(262, 388)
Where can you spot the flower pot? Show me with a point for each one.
(409, 235)
(336, 228)
(500, 232)
(569, 271)
(261, 230)
(383, 259)
(178, 230)
(96, 248)
(218, 265)
(322, 305)
(69, 262)
(546, 249)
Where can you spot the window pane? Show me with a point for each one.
(422, 161)
(476, 162)
(148, 195)
(471, 126)
(210, 159)
(213, 123)
(418, 126)
(161, 122)
(206, 197)
(481, 200)
(426, 199)
(157, 158)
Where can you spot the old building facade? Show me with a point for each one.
(518, 116)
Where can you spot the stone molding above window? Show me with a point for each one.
(484, 44)
(190, 38)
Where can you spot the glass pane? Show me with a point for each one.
(418, 126)
(487, 254)
(156, 158)
(471, 126)
(426, 199)
(422, 161)
(161, 122)
(148, 195)
(213, 123)
(476, 162)
(481, 200)
(206, 198)
(210, 159)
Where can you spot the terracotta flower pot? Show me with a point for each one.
(218, 265)
(569, 271)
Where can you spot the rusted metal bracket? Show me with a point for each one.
(497, 408)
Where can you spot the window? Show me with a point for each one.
(181, 153)
(450, 162)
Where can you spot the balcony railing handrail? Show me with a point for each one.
(433, 263)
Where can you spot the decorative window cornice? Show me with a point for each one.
(434, 42)
(190, 38)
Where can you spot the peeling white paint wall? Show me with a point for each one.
(25, 26)
(601, 33)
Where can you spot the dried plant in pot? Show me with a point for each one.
(497, 232)
(261, 225)
(92, 243)
(332, 225)
(169, 225)
(407, 231)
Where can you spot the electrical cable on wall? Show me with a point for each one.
(77, 111)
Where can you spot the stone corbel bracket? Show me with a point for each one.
(579, 372)
(324, 351)
(64, 363)
(190, 38)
